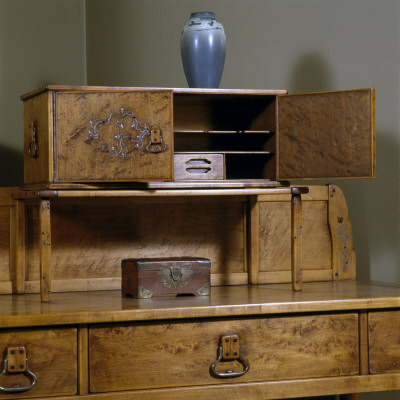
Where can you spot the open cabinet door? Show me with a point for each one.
(326, 135)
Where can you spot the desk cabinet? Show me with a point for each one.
(103, 134)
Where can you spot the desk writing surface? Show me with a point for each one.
(233, 301)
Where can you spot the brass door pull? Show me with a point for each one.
(17, 362)
(229, 350)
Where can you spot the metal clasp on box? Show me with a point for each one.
(230, 350)
(16, 362)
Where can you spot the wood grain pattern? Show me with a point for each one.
(103, 232)
(254, 240)
(297, 242)
(234, 301)
(17, 246)
(343, 254)
(384, 339)
(39, 110)
(83, 359)
(275, 255)
(308, 388)
(180, 354)
(6, 220)
(323, 135)
(77, 160)
(45, 250)
(52, 355)
(364, 349)
(71, 88)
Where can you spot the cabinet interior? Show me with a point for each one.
(242, 128)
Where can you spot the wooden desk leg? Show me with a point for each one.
(18, 246)
(296, 236)
(254, 241)
(45, 250)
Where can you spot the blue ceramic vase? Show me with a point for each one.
(203, 48)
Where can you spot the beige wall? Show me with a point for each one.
(299, 45)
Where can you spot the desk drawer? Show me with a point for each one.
(52, 357)
(140, 356)
(384, 341)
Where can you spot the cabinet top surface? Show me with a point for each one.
(234, 301)
(70, 88)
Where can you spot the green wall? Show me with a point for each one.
(299, 45)
(41, 41)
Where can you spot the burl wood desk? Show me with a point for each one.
(114, 173)
(337, 336)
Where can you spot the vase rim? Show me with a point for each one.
(203, 15)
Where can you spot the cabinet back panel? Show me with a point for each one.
(101, 234)
(192, 112)
(275, 255)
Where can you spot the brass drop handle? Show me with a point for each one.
(230, 350)
(156, 144)
(14, 363)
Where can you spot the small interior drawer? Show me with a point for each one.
(199, 166)
(52, 358)
(384, 341)
(142, 356)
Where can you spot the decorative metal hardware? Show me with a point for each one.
(128, 130)
(205, 290)
(175, 275)
(33, 148)
(143, 293)
(230, 350)
(345, 257)
(14, 363)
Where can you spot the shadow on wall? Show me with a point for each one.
(11, 167)
(310, 74)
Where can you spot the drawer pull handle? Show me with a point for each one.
(17, 362)
(229, 350)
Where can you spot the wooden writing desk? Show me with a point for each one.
(114, 173)
(330, 338)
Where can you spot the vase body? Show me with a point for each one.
(203, 48)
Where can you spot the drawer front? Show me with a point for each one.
(199, 166)
(52, 357)
(139, 356)
(384, 341)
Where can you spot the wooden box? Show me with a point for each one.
(148, 277)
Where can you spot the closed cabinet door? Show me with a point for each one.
(113, 136)
(326, 135)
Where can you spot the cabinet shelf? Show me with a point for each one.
(249, 152)
(225, 132)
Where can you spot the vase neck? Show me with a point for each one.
(202, 15)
